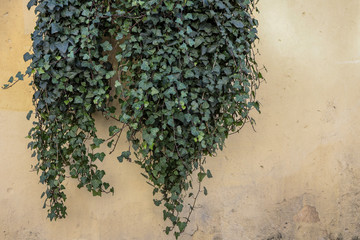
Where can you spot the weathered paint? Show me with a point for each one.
(297, 176)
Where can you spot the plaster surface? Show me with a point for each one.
(296, 177)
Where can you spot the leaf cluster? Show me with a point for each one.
(188, 79)
(185, 78)
(71, 81)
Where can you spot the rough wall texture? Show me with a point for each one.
(297, 177)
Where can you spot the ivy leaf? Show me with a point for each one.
(98, 142)
(78, 100)
(51, 5)
(96, 183)
(11, 79)
(157, 202)
(28, 116)
(27, 56)
(188, 16)
(31, 3)
(198, 41)
(189, 74)
(208, 173)
(110, 74)
(145, 66)
(212, 48)
(120, 158)
(106, 46)
(154, 131)
(201, 176)
(182, 226)
(55, 28)
(179, 21)
(237, 23)
(206, 3)
(109, 144)
(205, 191)
(119, 36)
(62, 46)
(191, 42)
(179, 207)
(20, 76)
(170, 91)
(154, 91)
(125, 154)
(113, 130)
(189, 30)
(181, 86)
(106, 185)
(96, 193)
(221, 5)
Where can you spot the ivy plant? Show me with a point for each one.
(183, 79)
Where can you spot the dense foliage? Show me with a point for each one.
(185, 77)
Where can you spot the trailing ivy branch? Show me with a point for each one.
(184, 77)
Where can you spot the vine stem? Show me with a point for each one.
(194, 203)
(11, 85)
(117, 140)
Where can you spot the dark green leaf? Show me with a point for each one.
(237, 23)
(106, 46)
(120, 158)
(55, 28)
(78, 100)
(31, 3)
(157, 202)
(205, 191)
(125, 154)
(208, 173)
(62, 46)
(182, 226)
(28, 116)
(201, 176)
(145, 66)
(27, 56)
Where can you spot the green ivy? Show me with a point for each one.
(183, 78)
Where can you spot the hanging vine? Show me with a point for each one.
(184, 78)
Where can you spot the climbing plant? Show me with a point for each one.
(183, 78)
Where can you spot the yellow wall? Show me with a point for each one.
(298, 175)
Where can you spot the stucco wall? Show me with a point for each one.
(297, 176)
